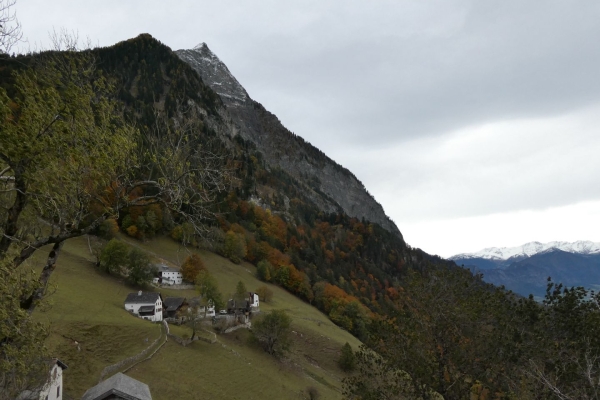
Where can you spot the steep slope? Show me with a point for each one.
(102, 333)
(332, 187)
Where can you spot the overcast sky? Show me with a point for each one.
(474, 124)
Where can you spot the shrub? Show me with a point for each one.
(264, 294)
(234, 247)
(108, 229)
(264, 270)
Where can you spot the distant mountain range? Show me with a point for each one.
(525, 269)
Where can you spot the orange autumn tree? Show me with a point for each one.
(191, 267)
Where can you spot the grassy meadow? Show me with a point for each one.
(89, 330)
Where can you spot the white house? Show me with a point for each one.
(146, 305)
(253, 299)
(53, 388)
(168, 275)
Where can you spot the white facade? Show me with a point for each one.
(134, 304)
(210, 311)
(53, 389)
(254, 300)
(172, 277)
(169, 276)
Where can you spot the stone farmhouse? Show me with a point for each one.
(146, 305)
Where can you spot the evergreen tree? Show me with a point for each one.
(347, 360)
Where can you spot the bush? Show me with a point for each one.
(132, 231)
(234, 247)
(264, 294)
(264, 271)
(108, 229)
(313, 393)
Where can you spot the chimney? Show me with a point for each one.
(140, 293)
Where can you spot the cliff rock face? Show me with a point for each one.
(329, 185)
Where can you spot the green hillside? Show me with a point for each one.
(87, 307)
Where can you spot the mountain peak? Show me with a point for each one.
(215, 74)
(201, 46)
(532, 248)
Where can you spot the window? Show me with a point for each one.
(58, 391)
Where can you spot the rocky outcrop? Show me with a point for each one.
(329, 185)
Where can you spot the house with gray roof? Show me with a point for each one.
(168, 275)
(172, 305)
(119, 386)
(146, 305)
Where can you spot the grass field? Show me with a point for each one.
(87, 307)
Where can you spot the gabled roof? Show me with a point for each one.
(120, 385)
(142, 297)
(173, 303)
(166, 268)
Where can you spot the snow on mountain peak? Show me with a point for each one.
(531, 248)
(200, 46)
(214, 73)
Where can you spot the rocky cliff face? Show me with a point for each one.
(329, 185)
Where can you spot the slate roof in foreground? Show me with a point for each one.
(145, 297)
(173, 303)
(119, 385)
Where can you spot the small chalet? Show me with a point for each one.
(168, 275)
(172, 305)
(203, 311)
(119, 386)
(146, 305)
(237, 306)
(244, 306)
(53, 388)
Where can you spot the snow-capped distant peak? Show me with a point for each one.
(531, 248)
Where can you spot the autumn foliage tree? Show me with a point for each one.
(264, 294)
(191, 267)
